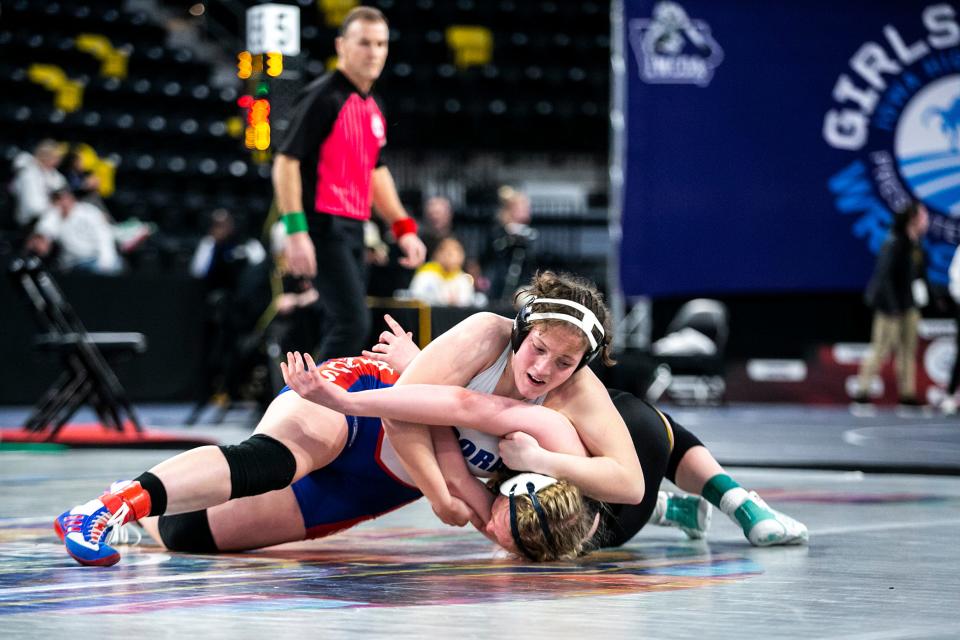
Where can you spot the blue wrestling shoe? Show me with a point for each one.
(127, 534)
(88, 529)
(85, 528)
(767, 527)
(691, 514)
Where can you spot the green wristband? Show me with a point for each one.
(295, 222)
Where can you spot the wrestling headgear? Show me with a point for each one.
(586, 321)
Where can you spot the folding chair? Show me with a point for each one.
(87, 376)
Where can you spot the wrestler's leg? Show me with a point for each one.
(352, 489)
(696, 466)
(693, 468)
(309, 435)
(246, 523)
(293, 438)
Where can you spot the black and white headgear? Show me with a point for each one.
(529, 484)
(587, 322)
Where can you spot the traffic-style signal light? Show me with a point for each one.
(274, 64)
(244, 65)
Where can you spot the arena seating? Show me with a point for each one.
(176, 139)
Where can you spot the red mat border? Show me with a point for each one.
(95, 435)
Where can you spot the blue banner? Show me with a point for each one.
(768, 144)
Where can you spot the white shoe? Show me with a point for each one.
(767, 527)
(862, 409)
(691, 514)
(948, 406)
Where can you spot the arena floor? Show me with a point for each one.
(882, 562)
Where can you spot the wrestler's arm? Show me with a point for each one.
(461, 483)
(453, 358)
(612, 472)
(396, 348)
(442, 405)
(436, 405)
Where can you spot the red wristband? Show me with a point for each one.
(403, 226)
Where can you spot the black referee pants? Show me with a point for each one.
(342, 284)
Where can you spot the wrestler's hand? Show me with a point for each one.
(414, 251)
(473, 493)
(396, 346)
(453, 511)
(522, 452)
(301, 374)
(301, 255)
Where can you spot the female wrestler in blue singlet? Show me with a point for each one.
(560, 332)
(342, 471)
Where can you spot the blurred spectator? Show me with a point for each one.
(510, 257)
(437, 225)
(896, 293)
(442, 281)
(437, 222)
(270, 313)
(299, 314)
(220, 255)
(130, 233)
(223, 260)
(80, 233)
(35, 179)
(83, 183)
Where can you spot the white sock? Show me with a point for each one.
(732, 499)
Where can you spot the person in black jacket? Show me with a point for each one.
(510, 259)
(895, 293)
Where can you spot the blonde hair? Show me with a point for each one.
(507, 195)
(547, 284)
(569, 516)
(48, 148)
(508, 199)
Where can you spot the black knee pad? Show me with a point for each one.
(189, 532)
(683, 441)
(259, 464)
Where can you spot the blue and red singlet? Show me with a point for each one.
(366, 480)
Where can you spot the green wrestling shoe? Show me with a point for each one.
(691, 514)
(767, 527)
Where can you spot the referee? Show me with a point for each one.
(327, 172)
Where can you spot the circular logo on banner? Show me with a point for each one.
(927, 145)
(896, 107)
